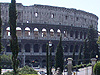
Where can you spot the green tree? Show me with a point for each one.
(59, 56)
(92, 42)
(79, 55)
(13, 40)
(73, 55)
(0, 38)
(96, 68)
(98, 42)
(86, 56)
(6, 61)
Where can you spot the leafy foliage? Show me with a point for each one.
(6, 61)
(86, 55)
(92, 42)
(26, 70)
(98, 42)
(96, 68)
(59, 56)
(79, 56)
(73, 56)
(90, 49)
(13, 40)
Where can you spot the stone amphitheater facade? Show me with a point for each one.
(39, 24)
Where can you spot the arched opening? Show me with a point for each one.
(76, 48)
(36, 14)
(65, 34)
(18, 31)
(44, 32)
(84, 35)
(81, 48)
(58, 32)
(71, 33)
(52, 15)
(43, 63)
(81, 34)
(51, 32)
(71, 48)
(66, 48)
(8, 49)
(27, 31)
(27, 62)
(36, 32)
(36, 48)
(44, 48)
(27, 47)
(8, 31)
(76, 34)
(19, 47)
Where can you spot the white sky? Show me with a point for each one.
(92, 6)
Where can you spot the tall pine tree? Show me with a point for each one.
(92, 42)
(73, 56)
(0, 38)
(59, 56)
(79, 55)
(13, 40)
(86, 56)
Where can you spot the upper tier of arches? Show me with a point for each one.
(47, 32)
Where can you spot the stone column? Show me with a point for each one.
(40, 49)
(23, 32)
(31, 33)
(69, 66)
(93, 60)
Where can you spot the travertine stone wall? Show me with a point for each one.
(51, 15)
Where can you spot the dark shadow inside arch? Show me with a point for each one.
(27, 48)
(76, 34)
(71, 48)
(66, 48)
(44, 48)
(71, 33)
(8, 49)
(76, 48)
(36, 48)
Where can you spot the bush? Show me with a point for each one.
(26, 70)
(6, 61)
(96, 68)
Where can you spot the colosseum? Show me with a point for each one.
(39, 24)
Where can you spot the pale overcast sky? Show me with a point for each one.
(92, 6)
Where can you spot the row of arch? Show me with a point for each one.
(28, 33)
(36, 48)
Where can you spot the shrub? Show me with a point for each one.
(26, 70)
(96, 68)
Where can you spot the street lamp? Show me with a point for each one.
(97, 57)
(50, 43)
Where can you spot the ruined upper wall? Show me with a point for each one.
(50, 15)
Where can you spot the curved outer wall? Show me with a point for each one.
(38, 24)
